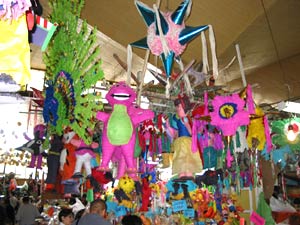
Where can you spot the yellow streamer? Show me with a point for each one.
(15, 50)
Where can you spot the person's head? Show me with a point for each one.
(183, 105)
(131, 220)
(26, 199)
(66, 216)
(98, 206)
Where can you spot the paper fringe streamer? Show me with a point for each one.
(213, 52)
(268, 135)
(250, 102)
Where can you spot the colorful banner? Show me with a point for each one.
(43, 32)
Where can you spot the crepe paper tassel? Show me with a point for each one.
(186, 79)
(220, 184)
(166, 143)
(256, 130)
(212, 43)
(237, 139)
(226, 182)
(255, 170)
(241, 180)
(159, 145)
(90, 195)
(129, 64)
(240, 140)
(205, 103)
(195, 127)
(267, 134)
(230, 143)
(238, 176)
(168, 85)
(250, 102)
(213, 53)
(159, 122)
(229, 158)
(243, 139)
(214, 206)
(205, 135)
(204, 54)
(218, 141)
(168, 132)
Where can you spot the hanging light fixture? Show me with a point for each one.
(292, 131)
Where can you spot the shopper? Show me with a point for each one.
(65, 216)
(27, 213)
(14, 202)
(95, 216)
(10, 212)
(131, 220)
(3, 214)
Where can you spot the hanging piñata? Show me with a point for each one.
(73, 67)
(167, 35)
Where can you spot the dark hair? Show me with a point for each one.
(184, 101)
(131, 220)
(25, 199)
(64, 212)
(98, 204)
(72, 200)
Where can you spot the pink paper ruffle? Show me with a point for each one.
(154, 41)
(238, 117)
(268, 134)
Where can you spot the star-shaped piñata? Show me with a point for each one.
(167, 34)
(229, 114)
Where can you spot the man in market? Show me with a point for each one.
(96, 215)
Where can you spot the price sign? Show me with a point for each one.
(179, 205)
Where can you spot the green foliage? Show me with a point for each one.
(74, 49)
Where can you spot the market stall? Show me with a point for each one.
(198, 156)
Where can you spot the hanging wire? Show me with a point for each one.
(275, 47)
